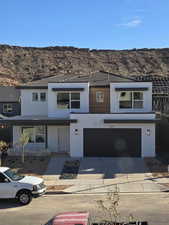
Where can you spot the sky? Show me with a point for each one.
(94, 24)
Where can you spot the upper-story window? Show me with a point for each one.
(68, 100)
(131, 100)
(34, 96)
(43, 96)
(38, 96)
(7, 108)
(99, 96)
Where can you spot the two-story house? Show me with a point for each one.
(9, 106)
(97, 115)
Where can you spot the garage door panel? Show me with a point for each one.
(112, 142)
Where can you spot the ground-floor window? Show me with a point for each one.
(36, 134)
(7, 108)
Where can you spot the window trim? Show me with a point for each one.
(132, 100)
(7, 104)
(70, 99)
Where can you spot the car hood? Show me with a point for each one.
(31, 180)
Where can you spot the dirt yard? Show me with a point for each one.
(158, 167)
(33, 165)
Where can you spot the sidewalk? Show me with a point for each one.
(93, 178)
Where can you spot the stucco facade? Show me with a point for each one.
(62, 128)
(97, 121)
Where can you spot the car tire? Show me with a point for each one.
(24, 197)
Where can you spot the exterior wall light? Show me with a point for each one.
(76, 131)
(148, 132)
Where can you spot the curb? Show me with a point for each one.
(54, 193)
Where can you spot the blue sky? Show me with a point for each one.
(101, 24)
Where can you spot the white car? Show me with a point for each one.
(22, 188)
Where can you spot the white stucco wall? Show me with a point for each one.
(97, 121)
(29, 107)
(53, 111)
(114, 96)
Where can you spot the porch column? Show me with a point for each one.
(46, 136)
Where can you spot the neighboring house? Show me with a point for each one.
(97, 115)
(9, 101)
(160, 91)
(9, 106)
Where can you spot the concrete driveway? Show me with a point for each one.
(98, 175)
(108, 168)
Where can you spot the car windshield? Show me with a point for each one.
(13, 175)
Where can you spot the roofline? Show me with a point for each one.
(18, 102)
(117, 75)
(31, 122)
(69, 81)
(32, 87)
(129, 121)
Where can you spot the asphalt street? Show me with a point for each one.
(153, 208)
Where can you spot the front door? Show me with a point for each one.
(63, 139)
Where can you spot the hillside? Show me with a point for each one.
(22, 64)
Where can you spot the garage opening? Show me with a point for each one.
(117, 142)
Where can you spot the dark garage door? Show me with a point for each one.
(112, 142)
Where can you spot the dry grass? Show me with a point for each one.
(57, 187)
(34, 165)
(157, 167)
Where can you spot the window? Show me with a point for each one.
(99, 97)
(131, 100)
(7, 108)
(75, 100)
(63, 100)
(34, 96)
(39, 96)
(36, 134)
(68, 100)
(13, 175)
(43, 96)
(39, 134)
(2, 178)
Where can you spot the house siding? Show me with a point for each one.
(53, 111)
(30, 108)
(102, 107)
(114, 96)
(97, 121)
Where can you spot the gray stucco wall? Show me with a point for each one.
(16, 108)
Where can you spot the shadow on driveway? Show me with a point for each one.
(9, 203)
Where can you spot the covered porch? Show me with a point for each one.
(46, 135)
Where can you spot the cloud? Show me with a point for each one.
(132, 23)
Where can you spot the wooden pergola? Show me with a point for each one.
(160, 91)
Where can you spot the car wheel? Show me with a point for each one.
(24, 197)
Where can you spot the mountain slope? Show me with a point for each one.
(22, 64)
